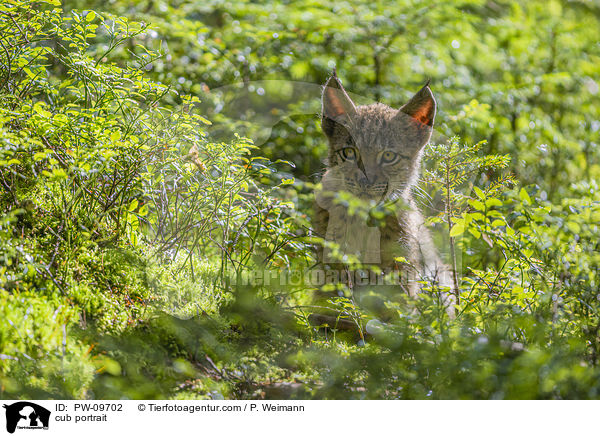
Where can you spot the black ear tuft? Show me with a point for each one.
(422, 106)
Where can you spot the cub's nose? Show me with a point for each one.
(362, 181)
(366, 183)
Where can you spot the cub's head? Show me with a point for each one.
(374, 150)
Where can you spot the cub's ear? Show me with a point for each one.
(337, 106)
(421, 106)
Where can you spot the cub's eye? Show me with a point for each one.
(389, 157)
(348, 153)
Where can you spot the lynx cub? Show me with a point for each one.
(374, 154)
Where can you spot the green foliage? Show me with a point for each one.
(132, 203)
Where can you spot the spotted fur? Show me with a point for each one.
(375, 154)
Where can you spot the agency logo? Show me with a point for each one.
(26, 415)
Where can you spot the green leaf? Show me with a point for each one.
(490, 202)
(477, 205)
(479, 193)
(143, 210)
(204, 120)
(133, 206)
(457, 230)
(59, 173)
(115, 136)
(475, 232)
(524, 196)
